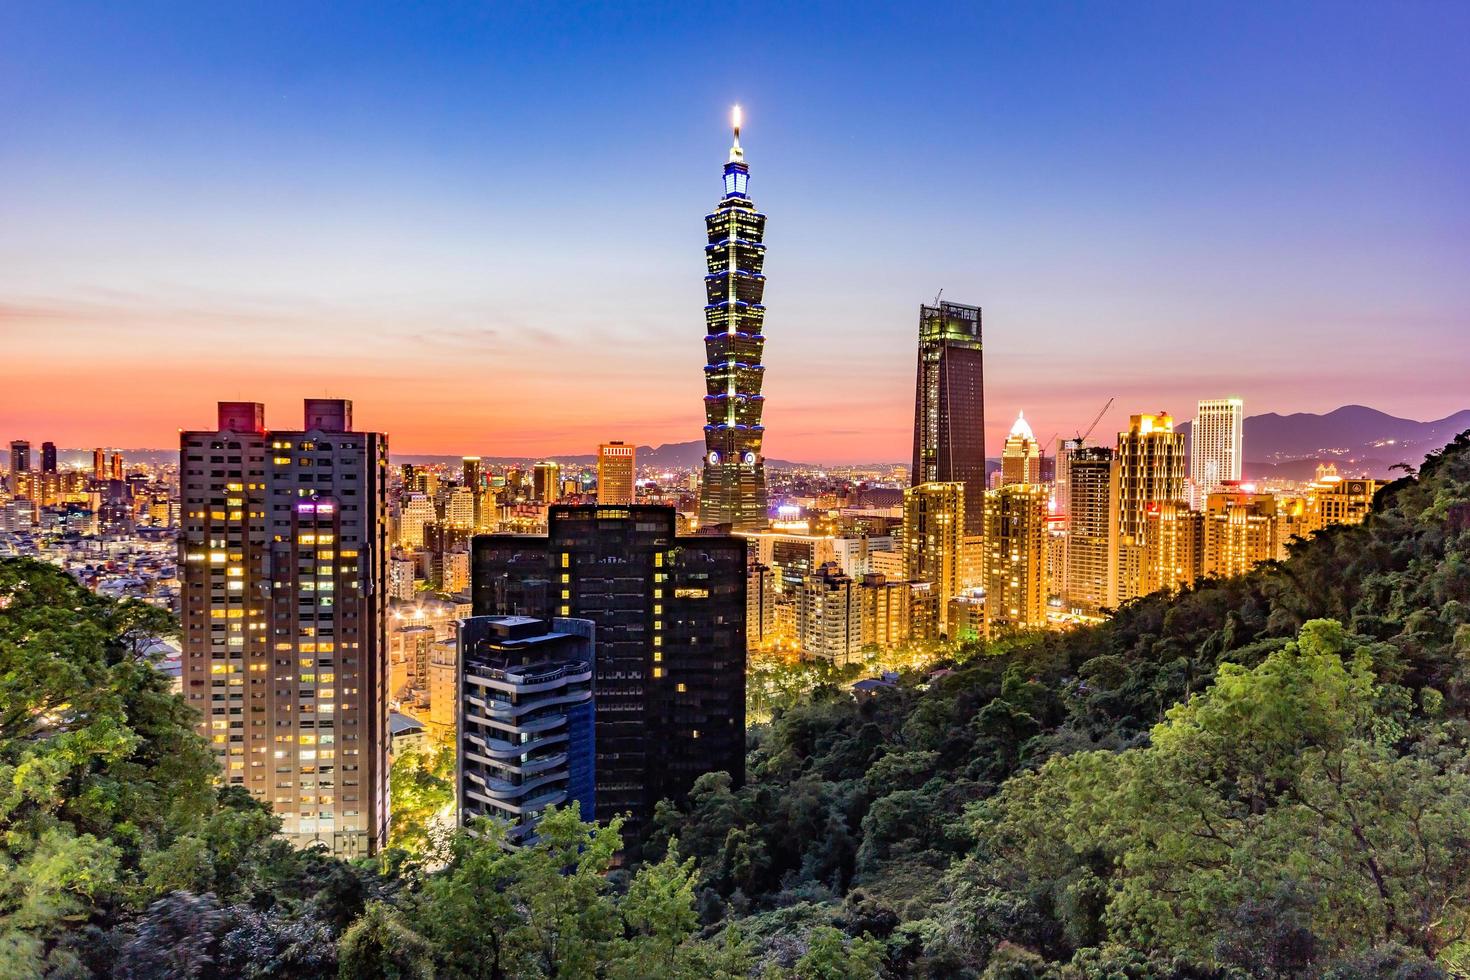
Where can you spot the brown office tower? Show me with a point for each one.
(949, 405)
(284, 550)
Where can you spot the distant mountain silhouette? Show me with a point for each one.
(1355, 437)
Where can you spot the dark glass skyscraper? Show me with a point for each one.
(670, 615)
(949, 405)
(734, 488)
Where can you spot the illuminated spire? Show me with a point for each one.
(737, 155)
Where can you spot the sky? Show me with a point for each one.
(484, 222)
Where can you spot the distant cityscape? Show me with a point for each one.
(589, 628)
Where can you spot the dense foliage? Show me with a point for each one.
(1263, 776)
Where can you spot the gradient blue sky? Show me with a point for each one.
(484, 222)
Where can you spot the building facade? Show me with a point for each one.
(949, 405)
(1015, 557)
(616, 474)
(733, 489)
(670, 613)
(527, 738)
(1150, 470)
(829, 621)
(1216, 441)
(283, 551)
(1020, 460)
(934, 541)
(1091, 529)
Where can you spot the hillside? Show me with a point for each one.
(1264, 776)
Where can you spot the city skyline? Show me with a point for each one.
(399, 205)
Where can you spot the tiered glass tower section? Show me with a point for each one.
(734, 488)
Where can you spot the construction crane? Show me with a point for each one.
(1095, 420)
(1082, 436)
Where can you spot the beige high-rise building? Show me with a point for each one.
(885, 609)
(459, 509)
(1150, 470)
(1216, 441)
(443, 690)
(760, 607)
(829, 623)
(1015, 556)
(616, 469)
(283, 550)
(1091, 521)
(934, 541)
(1020, 460)
(415, 512)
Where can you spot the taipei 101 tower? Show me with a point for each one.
(734, 488)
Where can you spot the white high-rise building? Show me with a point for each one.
(1215, 442)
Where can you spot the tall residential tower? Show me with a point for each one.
(949, 405)
(283, 555)
(734, 487)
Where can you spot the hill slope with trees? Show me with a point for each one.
(1262, 776)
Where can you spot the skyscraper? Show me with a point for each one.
(616, 469)
(473, 472)
(670, 614)
(733, 491)
(20, 459)
(99, 464)
(1215, 444)
(1015, 556)
(949, 405)
(117, 466)
(48, 457)
(1020, 459)
(546, 482)
(1091, 528)
(1150, 470)
(934, 540)
(283, 550)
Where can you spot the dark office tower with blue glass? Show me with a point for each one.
(949, 405)
(734, 488)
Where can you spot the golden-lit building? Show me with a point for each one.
(443, 690)
(1241, 530)
(1150, 470)
(828, 617)
(967, 617)
(885, 608)
(1020, 460)
(934, 541)
(760, 607)
(1173, 551)
(1332, 500)
(615, 473)
(1015, 556)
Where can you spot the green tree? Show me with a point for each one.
(421, 787)
(381, 946)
